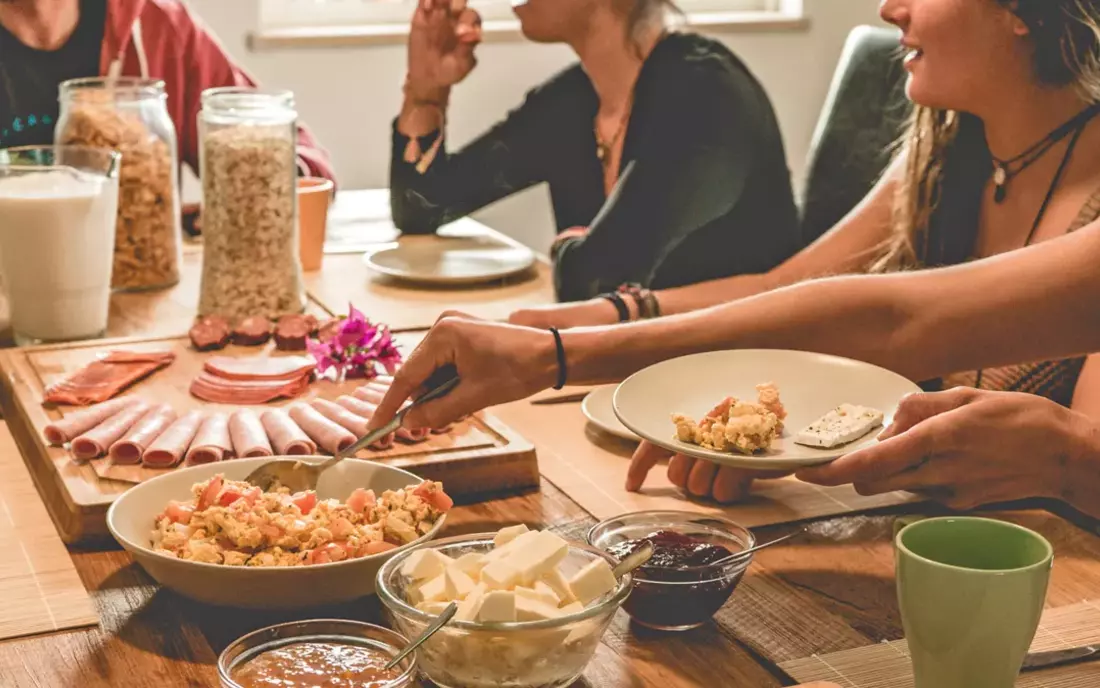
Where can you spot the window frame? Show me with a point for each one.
(301, 14)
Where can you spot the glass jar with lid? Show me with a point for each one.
(249, 175)
(129, 115)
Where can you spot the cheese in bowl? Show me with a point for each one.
(234, 523)
(531, 607)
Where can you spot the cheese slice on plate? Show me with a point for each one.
(846, 423)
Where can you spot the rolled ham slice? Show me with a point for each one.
(328, 435)
(212, 442)
(248, 435)
(143, 433)
(341, 416)
(362, 408)
(404, 434)
(369, 394)
(169, 449)
(382, 383)
(286, 437)
(96, 441)
(76, 423)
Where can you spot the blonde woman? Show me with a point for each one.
(1023, 70)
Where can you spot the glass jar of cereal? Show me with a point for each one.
(250, 204)
(129, 115)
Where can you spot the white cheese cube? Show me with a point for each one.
(434, 590)
(593, 581)
(539, 556)
(533, 610)
(511, 547)
(470, 563)
(541, 592)
(497, 606)
(456, 584)
(547, 592)
(571, 608)
(432, 607)
(500, 575)
(425, 563)
(506, 535)
(556, 581)
(846, 423)
(469, 607)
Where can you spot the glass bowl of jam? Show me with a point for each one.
(322, 652)
(693, 570)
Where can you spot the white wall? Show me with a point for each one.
(350, 95)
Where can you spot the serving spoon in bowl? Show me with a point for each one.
(298, 475)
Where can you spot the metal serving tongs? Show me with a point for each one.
(299, 475)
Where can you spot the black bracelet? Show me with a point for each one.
(562, 369)
(621, 308)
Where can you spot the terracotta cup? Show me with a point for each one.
(314, 195)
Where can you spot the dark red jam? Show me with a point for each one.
(663, 595)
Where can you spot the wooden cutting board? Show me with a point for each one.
(478, 456)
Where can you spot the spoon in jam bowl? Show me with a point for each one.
(299, 475)
(752, 550)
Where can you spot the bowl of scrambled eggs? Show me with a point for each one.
(206, 534)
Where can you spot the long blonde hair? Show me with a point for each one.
(1066, 38)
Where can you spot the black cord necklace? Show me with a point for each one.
(1005, 170)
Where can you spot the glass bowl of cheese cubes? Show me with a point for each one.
(532, 607)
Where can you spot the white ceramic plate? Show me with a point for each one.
(450, 260)
(599, 408)
(131, 521)
(810, 385)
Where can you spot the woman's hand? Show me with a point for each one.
(496, 362)
(442, 39)
(697, 477)
(566, 315)
(968, 447)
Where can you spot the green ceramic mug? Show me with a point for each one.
(971, 591)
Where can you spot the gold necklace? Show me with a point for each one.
(604, 148)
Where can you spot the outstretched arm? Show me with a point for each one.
(1030, 304)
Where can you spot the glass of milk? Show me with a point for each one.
(57, 237)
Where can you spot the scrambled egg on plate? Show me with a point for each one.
(736, 426)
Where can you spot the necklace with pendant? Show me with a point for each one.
(1005, 170)
(604, 148)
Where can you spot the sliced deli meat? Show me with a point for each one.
(342, 416)
(73, 424)
(283, 368)
(212, 442)
(328, 435)
(287, 439)
(252, 331)
(169, 449)
(247, 433)
(130, 448)
(106, 377)
(372, 397)
(221, 390)
(210, 333)
(96, 441)
(362, 408)
(292, 332)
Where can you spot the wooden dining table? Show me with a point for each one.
(829, 590)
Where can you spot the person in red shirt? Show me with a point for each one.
(45, 42)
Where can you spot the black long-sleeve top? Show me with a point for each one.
(709, 196)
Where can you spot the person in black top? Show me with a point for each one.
(708, 193)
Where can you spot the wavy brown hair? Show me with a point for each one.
(1066, 38)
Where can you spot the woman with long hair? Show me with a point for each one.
(661, 150)
(1001, 156)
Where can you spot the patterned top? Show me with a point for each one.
(1055, 380)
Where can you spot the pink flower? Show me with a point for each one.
(357, 349)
